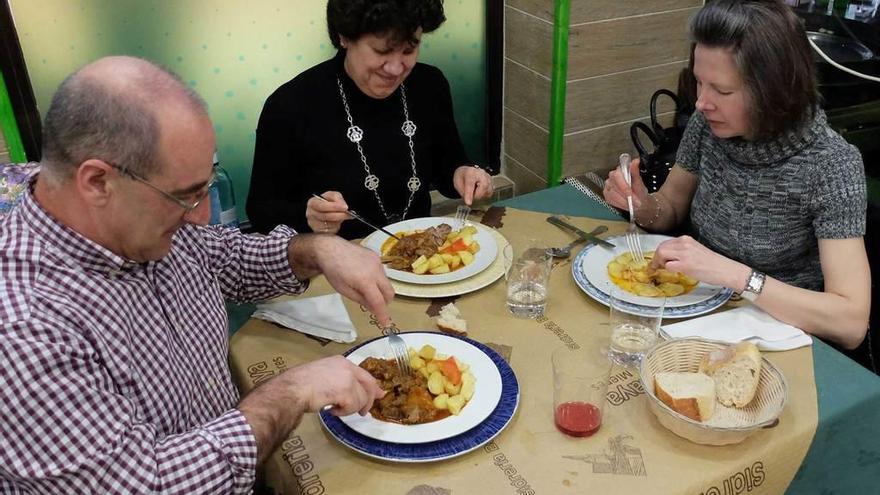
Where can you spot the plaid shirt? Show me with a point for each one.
(114, 374)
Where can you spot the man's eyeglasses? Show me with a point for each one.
(187, 204)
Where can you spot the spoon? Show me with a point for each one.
(565, 251)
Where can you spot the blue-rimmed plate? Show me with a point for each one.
(446, 448)
(487, 391)
(592, 261)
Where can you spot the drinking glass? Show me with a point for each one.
(528, 277)
(634, 328)
(580, 384)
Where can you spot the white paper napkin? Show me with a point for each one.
(744, 323)
(322, 316)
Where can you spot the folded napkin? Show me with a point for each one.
(322, 316)
(743, 323)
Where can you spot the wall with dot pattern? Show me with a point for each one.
(234, 53)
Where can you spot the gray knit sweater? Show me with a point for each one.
(766, 203)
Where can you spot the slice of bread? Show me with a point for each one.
(736, 371)
(450, 320)
(689, 394)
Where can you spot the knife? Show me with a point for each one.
(589, 237)
(360, 218)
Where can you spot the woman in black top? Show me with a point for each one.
(370, 129)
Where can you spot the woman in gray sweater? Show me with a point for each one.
(776, 199)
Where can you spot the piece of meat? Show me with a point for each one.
(407, 400)
(426, 243)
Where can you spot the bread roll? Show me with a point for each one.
(689, 394)
(450, 320)
(736, 371)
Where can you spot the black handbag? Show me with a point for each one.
(654, 165)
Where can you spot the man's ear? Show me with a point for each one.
(95, 181)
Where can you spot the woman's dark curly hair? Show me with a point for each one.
(770, 48)
(398, 18)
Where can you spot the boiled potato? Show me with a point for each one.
(444, 268)
(615, 269)
(423, 268)
(424, 372)
(437, 383)
(671, 290)
(440, 401)
(432, 367)
(470, 229)
(435, 261)
(640, 279)
(466, 257)
(467, 390)
(468, 377)
(447, 258)
(647, 290)
(427, 352)
(454, 404)
(474, 247)
(416, 362)
(456, 261)
(452, 389)
(419, 261)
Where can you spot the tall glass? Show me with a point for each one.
(580, 384)
(634, 329)
(528, 277)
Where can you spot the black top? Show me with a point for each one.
(302, 148)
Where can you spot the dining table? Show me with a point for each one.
(827, 440)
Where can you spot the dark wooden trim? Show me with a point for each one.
(494, 81)
(18, 84)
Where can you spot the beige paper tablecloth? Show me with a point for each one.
(631, 453)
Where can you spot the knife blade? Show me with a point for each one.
(587, 236)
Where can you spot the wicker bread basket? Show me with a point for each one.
(728, 424)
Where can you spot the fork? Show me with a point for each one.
(461, 215)
(398, 350)
(633, 241)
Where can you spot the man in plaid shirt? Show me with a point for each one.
(113, 332)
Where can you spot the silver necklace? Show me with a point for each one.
(355, 134)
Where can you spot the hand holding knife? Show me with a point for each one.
(360, 218)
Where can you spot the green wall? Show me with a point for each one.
(234, 53)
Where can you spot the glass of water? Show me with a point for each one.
(528, 277)
(635, 328)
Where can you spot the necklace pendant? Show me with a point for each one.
(414, 184)
(408, 128)
(355, 134)
(371, 182)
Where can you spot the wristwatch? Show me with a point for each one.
(754, 286)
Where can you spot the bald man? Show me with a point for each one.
(113, 333)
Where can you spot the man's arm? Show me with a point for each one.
(354, 271)
(275, 408)
(66, 428)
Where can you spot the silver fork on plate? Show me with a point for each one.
(633, 241)
(398, 350)
(461, 216)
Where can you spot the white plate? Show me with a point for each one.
(482, 259)
(486, 394)
(595, 267)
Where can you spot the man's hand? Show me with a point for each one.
(354, 271)
(472, 183)
(684, 254)
(275, 408)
